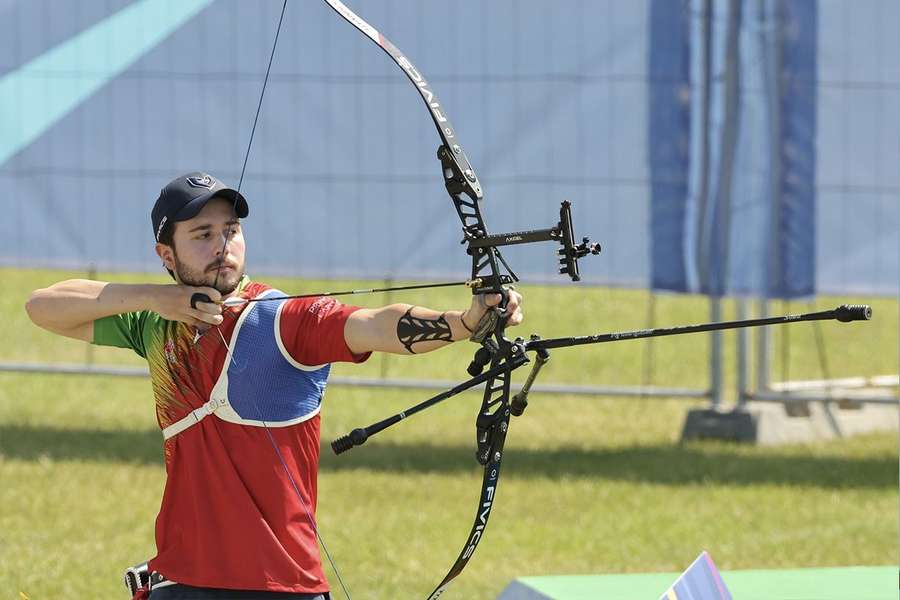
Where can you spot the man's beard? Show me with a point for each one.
(225, 284)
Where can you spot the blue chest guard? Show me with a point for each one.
(261, 384)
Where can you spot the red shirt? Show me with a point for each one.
(230, 517)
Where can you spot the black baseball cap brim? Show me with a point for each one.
(193, 208)
(184, 197)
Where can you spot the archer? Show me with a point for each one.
(231, 381)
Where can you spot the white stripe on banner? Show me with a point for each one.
(37, 95)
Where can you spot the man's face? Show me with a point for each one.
(197, 254)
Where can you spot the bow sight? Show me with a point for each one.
(563, 233)
(465, 190)
(498, 347)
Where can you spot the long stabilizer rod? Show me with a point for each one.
(844, 313)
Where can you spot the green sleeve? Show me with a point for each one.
(124, 331)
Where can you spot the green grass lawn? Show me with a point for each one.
(590, 485)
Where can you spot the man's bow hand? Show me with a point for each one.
(479, 319)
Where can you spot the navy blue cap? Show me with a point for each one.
(184, 197)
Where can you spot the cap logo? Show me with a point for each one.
(202, 182)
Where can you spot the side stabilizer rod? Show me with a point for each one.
(358, 436)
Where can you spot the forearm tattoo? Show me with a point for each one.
(412, 330)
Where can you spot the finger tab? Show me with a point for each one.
(199, 297)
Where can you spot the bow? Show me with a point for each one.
(490, 274)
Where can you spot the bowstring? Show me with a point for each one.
(306, 507)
